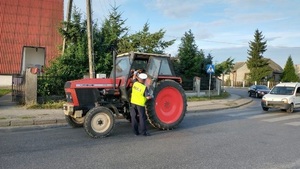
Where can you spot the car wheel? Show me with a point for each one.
(249, 94)
(290, 109)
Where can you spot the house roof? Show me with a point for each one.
(28, 23)
(238, 65)
(274, 66)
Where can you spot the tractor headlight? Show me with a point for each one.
(69, 98)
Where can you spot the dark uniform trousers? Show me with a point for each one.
(141, 124)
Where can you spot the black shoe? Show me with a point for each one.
(146, 134)
(136, 134)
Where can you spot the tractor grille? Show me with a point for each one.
(87, 97)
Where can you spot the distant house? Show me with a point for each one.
(29, 35)
(240, 72)
(297, 68)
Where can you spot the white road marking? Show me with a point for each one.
(266, 115)
(283, 118)
(297, 123)
(242, 114)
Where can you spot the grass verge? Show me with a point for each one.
(4, 92)
(223, 95)
(47, 105)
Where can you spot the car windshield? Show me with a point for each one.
(262, 87)
(282, 90)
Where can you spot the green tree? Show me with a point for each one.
(107, 39)
(144, 41)
(73, 64)
(256, 63)
(191, 61)
(224, 67)
(289, 72)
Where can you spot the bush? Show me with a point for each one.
(51, 85)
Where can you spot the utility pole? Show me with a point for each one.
(89, 36)
(69, 12)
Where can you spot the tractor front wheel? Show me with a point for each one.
(74, 122)
(99, 122)
(168, 107)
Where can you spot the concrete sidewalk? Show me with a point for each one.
(14, 115)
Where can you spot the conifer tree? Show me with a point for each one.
(189, 56)
(256, 63)
(289, 72)
(106, 40)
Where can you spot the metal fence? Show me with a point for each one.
(188, 84)
(270, 84)
(18, 88)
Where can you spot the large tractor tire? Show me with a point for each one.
(74, 122)
(99, 122)
(168, 107)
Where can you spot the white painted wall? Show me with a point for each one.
(5, 80)
(33, 57)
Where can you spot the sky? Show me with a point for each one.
(222, 28)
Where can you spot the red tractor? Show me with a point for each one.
(95, 103)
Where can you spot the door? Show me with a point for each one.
(297, 98)
(153, 69)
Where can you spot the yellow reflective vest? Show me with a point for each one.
(137, 95)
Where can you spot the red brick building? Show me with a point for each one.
(28, 34)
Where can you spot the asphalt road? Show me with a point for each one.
(238, 91)
(244, 137)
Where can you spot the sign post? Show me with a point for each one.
(210, 69)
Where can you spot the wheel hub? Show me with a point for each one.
(167, 104)
(100, 122)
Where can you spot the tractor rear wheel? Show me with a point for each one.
(168, 107)
(99, 122)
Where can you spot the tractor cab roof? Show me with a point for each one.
(141, 55)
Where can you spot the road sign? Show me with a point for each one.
(210, 69)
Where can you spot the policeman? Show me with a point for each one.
(139, 96)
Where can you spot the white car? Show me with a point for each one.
(284, 96)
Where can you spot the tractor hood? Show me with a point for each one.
(93, 83)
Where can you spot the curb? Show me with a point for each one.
(243, 100)
(36, 122)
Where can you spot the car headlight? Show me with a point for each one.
(285, 100)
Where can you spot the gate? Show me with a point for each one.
(18, 89)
